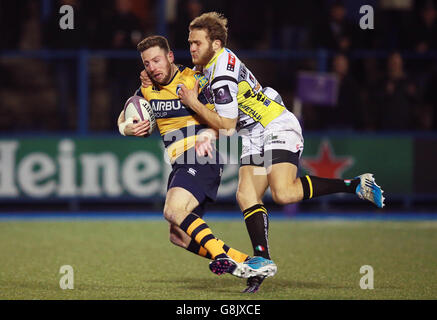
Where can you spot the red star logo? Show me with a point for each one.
(326, 164)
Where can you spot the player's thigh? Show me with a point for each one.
(284, 185)
(179, 202)
(252, 178)
(283, 146)
(252, 184)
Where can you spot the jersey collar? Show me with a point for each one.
(214, 58)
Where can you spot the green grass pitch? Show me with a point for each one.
(134, 259)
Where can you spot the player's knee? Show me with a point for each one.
(173, 214)
(283, 196)
(244, 199)
(240, 197)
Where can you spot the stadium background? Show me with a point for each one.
(371, 104)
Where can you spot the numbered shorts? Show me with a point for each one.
(281, 141)
(201, 180)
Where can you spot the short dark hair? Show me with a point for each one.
(215, 24)
(154, 41)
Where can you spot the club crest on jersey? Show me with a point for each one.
(231, 62)
(178, 88)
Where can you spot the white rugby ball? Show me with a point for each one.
(140, 108)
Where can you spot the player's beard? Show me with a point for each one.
(206, 57)
(166, 79)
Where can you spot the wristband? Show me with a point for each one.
(208, 135)
(123, 125)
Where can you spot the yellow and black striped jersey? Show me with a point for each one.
(177, 124)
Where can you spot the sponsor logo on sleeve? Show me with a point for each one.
(231, 62)
(242, 75)
(222, 95)
(206, 91)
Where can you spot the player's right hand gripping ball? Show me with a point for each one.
(139, 107)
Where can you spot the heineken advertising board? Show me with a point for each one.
(48, 167)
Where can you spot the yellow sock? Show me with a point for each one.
(233, 253)
(236, 255)
(198, 230)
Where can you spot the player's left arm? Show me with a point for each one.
(189, 97)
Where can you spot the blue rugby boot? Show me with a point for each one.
(259, 266)
(367, 189)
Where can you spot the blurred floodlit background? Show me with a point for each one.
(367, 99)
